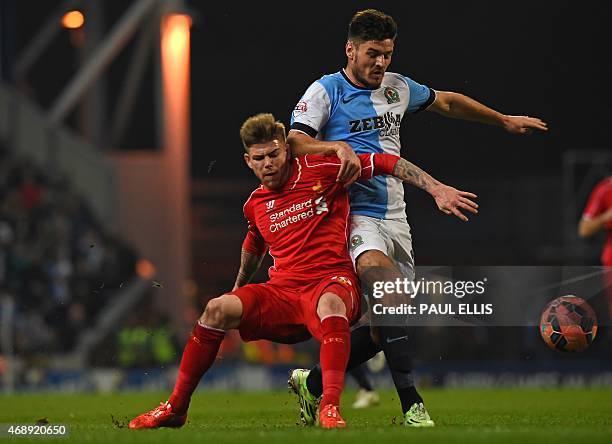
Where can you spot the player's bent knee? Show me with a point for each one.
(374, 266)
(372, 258)
(330, 304)
(223, 312)
(213, 313)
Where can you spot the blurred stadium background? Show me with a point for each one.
(122, 180)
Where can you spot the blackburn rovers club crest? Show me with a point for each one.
(391, 95)
(356, 241)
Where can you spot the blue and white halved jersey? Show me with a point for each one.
(333, 108)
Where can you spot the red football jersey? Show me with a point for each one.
(305, 224)
(599, 202)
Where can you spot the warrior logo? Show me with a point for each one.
(321, 205)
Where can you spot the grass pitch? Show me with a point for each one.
(487, 416)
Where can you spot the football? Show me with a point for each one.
(568, 324)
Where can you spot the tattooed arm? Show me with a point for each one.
(412, 174)
(249, 264)
(448, 199)
(253, 248)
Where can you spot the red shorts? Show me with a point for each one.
(288, 314)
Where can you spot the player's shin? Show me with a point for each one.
(362, 350)
(199, 354)
(396, 344)
(335, 349)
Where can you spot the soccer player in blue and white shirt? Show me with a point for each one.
(360, 108)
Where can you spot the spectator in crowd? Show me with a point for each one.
(56, 261)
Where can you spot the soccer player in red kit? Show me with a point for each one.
(300, 214)
(597, 216)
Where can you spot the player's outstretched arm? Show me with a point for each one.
(589, 227)
(249, 264)
(350, 168)
(448, 199)
(458, 106)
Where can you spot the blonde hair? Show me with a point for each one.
(261, 128)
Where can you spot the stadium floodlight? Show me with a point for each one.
(145, 269)
(175, 54)
(73, 19)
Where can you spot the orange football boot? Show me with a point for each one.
(161, 416)
(329, 417)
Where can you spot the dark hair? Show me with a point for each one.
(261, 128)
(371, 24)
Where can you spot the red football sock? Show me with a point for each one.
(335, 349)
(199, 354)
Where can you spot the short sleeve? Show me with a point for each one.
(253, 241)
(372, 164)
(421, 96)
(312, 112)
(594, 206)
(375, 164)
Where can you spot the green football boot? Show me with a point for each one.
(417, 416)
(309, 404)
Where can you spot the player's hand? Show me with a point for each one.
(350, 167)
(524, 124)
(607, 216)
(452, 201)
